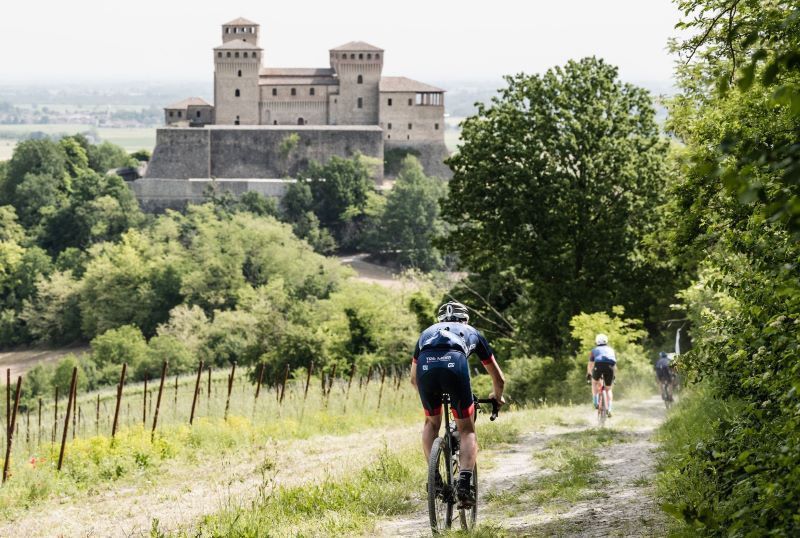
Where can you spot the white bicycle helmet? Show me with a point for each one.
(601, 340)
(453, 311)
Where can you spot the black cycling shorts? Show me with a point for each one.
(604, 369)
(444, 372)
(664, 375)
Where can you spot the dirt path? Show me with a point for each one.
(618, 502)
(184, 493)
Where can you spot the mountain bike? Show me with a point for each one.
(602, 402)
(443, 473)
(666, 392)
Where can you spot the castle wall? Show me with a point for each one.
(430, 154)
(158, 195)
(231, 152)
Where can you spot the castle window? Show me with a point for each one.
(198, 113)
(245, 55)
(228, 54)
(255, 55)
(409, 126)
(410, 102)
(377, 56)
(240, 72)
(219, 55)
(235, 54)
(436, 126)
(369, 56)
(311, 91)
(301, 121)
(360, 56)
(352, 56)
(360, 103)
(274, 91)
(275, 122)
(180, 114)
(227, 30)
(238, 93)
(388, 137)
(360, 79)
(236, 121)
(390, 126)
(294, 91)
(171, 113)
(390, 102)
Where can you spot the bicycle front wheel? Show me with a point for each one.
(468, 517)
(441, 496)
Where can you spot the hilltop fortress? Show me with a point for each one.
(269, 123)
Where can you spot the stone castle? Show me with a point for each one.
(342, 110)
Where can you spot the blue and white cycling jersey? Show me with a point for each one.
(603, 355)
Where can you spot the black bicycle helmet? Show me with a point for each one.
(453, 311)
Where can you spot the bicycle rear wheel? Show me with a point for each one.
(468, 517)
(440, 493)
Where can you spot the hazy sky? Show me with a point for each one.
(437, 41)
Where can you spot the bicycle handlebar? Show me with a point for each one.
(495, 406)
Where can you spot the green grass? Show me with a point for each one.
(684, 481)
(387, 486)
(92, 461)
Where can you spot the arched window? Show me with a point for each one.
(360, 103)
(352, 56)
(238, 93)
(274, 91)
(240, 72)
(235, 54)
(171, 113)
(294, 91)
(275, 122)
(377, 56)
(198, 113)
(360, 56)
(360, 79)
(255, 55)
(245, 55)
(219, 55)
(311, 91)
(301, 121)
(228, 54)
(369, 56)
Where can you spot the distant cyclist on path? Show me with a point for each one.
(664, 371)
(602, 362)
(440, 366)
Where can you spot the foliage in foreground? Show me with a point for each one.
(736, 467)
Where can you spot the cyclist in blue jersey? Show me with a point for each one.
(602, 362)
(440, 366)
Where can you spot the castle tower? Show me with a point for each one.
(358, 66)
(237, 63)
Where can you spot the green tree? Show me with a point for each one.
(410, 220)
(43, 157)
(116, 346)
(339, 186)
(555, 185)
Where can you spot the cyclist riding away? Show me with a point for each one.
(664, 371)
(440, 366)
(602, 362)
